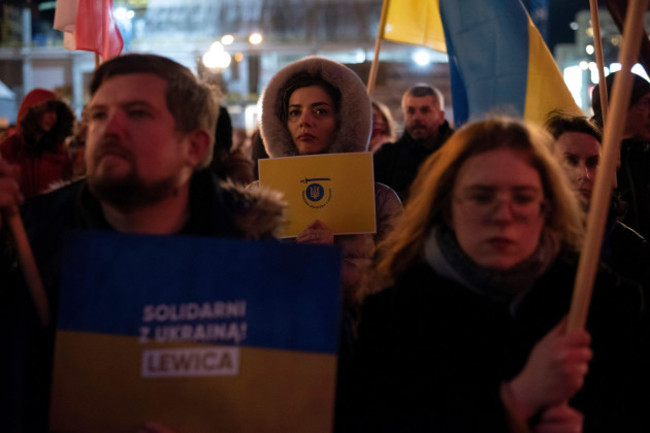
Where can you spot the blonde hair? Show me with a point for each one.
(430, 194)
(391, 131)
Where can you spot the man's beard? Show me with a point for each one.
(130, 192)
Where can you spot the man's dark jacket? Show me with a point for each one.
(396, 164)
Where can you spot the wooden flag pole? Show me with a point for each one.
(598, 47)
(28, 265)
(380, 37)
(602, 192)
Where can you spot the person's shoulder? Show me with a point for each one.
(611, 292)
(408, 288)
(628, 235)
(386, 149)
(53, 210)
(259, 212)
(386, 196)
(59, 194)
(445, 131)
(10, 147)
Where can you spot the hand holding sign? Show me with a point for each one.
(316, 233)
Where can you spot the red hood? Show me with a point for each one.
(32, 99)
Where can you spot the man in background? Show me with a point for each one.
(425, 130)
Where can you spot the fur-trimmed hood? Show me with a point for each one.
(258, 212)
(355, 115)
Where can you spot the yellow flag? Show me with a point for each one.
(546, 90)
(415, 22)
(337, 189)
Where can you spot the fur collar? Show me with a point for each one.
(355, 114)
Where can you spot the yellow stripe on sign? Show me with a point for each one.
(99, 387)
(337, 189)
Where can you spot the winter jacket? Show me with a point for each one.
(396, 164)
(634, 184)
(353, 135)
(41, 155)
(216, 209)
(433, 353)
(626, 252)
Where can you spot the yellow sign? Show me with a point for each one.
(337, 189)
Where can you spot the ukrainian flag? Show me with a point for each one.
(499, 63)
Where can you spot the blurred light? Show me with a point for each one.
(239, 57)
(46, 6)
(216, 59)
(216, 47)
(227, 39)
(615, 67)
(583, 65)
(573, 79)
(593, 68)
(589, 49)
(255, 38)
(361, 56)
(574, 26)
(123, 14)
(120, 13)
(421, 57)
(590, 32)
(639, 70)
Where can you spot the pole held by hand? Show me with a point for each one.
(602, 192)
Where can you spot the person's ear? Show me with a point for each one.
(199, 146)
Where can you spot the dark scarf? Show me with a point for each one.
(444, 254)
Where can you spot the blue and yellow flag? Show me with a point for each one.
(498, 60)
(337, 189)
(203, 335)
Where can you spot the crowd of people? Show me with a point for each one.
(453, 311)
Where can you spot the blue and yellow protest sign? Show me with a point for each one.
(337, 189)
(203, 335)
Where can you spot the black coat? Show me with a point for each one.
(634, 184)
(396, 164)
(432, 354)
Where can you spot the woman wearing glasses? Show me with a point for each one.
(471, 335)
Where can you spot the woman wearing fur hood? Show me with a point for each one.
(37, 146)
(316, 106)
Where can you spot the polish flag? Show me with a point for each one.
(89, 25)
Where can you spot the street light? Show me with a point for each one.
(216, 57)
(421, 57)
(227, 39)
(255, 38)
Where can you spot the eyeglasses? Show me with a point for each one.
(526, 205)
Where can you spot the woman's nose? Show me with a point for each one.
(306, 118)
(502, 211)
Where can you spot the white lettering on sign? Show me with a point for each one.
(199, 361)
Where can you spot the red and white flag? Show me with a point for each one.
(89, 25)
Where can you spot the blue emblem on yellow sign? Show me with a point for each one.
(314, 193)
